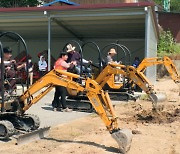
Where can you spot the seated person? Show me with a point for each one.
(136, 62)
(109, 59)
(75, 56)
(10, 70)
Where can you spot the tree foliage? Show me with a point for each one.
(167, 45)
(18, 3)
(174, 5)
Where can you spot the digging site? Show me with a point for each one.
(154, 131)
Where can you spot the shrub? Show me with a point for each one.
(167, 45)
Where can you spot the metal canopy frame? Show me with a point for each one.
(77, 22)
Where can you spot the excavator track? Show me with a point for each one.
(22, 128)
(29, 130)
(26, 122)
(32, 121)
(6, 129)
(11, 122)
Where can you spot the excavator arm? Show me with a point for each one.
(166, 61)
(46, 84)
(99, 99)
(130, 72)
(107, 75)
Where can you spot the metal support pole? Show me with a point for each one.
(2, 77)
(49, 43)
(146, 32)
(150, 46)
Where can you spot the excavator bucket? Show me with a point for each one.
(159, 97)
(124, 138)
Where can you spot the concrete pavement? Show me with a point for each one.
(48, 117)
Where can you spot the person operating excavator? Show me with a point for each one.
(11, 68)
(60, 91)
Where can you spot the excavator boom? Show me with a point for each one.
(99, 99)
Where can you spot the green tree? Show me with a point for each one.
(167, 45)
(18, 3)
(174, 5)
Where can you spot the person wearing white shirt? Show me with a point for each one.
(42, 66)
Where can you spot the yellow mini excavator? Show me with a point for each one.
(14, 116)
(138, 72)
(128, 72)
(166, 61)
(134, 76)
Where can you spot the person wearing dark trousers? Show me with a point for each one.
(61, 91)
(42, 66)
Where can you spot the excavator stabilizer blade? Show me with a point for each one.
(32, 136)
(160, 97)
(124, 138)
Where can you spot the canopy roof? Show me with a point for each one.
(112, 21)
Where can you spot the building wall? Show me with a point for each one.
(170, 21)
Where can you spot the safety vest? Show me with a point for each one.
(58, 65)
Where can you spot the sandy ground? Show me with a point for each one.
(154, 132)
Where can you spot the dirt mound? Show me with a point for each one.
(155, 116)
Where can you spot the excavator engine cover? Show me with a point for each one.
(124, 138)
